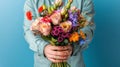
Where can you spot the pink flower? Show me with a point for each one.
(35, 25)
(42, 26)
(45, 28)
(56, 18)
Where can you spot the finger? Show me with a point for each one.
(58, 53)
(62, 57)
(61, 48)
(57, 57)
(68, 47)
(56, 61)
(57, 48)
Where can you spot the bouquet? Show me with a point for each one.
(60, 25)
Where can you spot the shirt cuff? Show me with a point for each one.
(41, 47)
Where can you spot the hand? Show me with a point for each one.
(58, 53)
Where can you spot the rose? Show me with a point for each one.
(56, 18)
(66, 26)
(45, 26)
(42, 25)
(35, 25)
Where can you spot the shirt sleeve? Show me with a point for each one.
(36, 43)
(88, 13)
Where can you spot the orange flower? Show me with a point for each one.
(74, 37)
(29, 15)
(66, 26)
(82, 34)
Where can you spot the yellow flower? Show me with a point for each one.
(74, 37)
(82, 34)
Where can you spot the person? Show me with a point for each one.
(44, 53)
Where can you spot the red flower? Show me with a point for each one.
(46, 19)
(40, 9)
(29, 15)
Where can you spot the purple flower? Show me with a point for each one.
(60, 30)
(73, 17)
(60, 39)
(65, 35)
(56, 31)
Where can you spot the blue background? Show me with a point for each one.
(104, 51)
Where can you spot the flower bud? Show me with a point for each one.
(63, 11)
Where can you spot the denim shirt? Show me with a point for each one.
(37, 44)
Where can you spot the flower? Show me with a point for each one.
(73, 17)
(82, 35)
(81, 42)
(59, 24)
(56, 31)
(46, 19)
(56, 18)
(66, 26)
(42, 26)
(65, 35)
(29, 15)
(45, 28)
(74, 37)
(35, 24)
(60, 39)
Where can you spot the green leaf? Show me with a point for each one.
(53, 39)
(52, 8)
(52, 43)
(68, 5)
